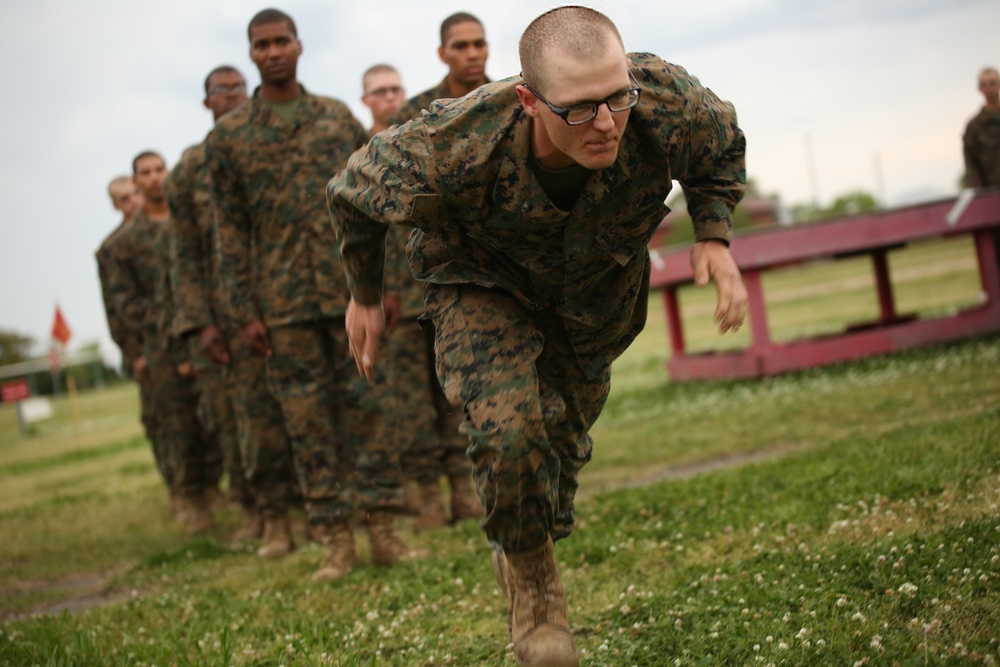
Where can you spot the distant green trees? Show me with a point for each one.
(14, 347)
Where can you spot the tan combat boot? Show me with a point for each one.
(277, 541)
(432, 512)
(340, 552)
(464, 499)
(195, 513)
(251, 527)
(539, 619)
(387, 546)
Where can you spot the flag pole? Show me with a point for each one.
(71, 390)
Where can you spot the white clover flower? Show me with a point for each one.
(908, 589)
(782, 646)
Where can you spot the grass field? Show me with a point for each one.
(840, 516)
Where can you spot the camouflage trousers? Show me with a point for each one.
(433, 444)
(344, 444)
(529, 409)
(215, 410)
(195, 464)
(147, 415)
(265, 452)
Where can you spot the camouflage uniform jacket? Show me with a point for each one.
(130, 346)
(460, 175)
(411, 292)
(277, 249)
(194, 276)
(134, 276)
(412, 107)
(982, 150)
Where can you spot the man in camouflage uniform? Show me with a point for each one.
(126, 198)
(139, 288)
(382, 92)
(436, 447)
(286, 292)
(981, 142)
(533, 202)
(238, 408)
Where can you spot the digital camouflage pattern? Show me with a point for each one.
(981, 144)
(343, 445)
(279, 256)
(132, 279)
(410, 367)
(412, 107)
(236, 405)
(277, 249)
(193, 260)
(529, 409)
(435, 444)
(459, 174)
(265, 451)
(110, 270)
(141, 292)
(131, 347)
(567, 290)
(198, 458)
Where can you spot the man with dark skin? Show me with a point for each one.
(465, 51)
(287, 295)
(141, 292)
(238, 408)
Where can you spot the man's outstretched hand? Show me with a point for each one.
(365, 326)
(711, 260)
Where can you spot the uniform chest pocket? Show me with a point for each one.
(625, 233)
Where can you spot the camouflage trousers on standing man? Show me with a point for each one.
(265, 452)
(344, 444)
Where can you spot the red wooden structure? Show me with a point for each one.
(873, 235)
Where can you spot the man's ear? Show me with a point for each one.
(528, 101)
(441, 55)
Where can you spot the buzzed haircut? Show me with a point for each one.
(221, 69)
(989, 70)
(375, 69)
(579, 31)
(270, 15)
(454, 20)
(145, 154)
(117, 180)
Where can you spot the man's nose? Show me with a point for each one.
(603, 119)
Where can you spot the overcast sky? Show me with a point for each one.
(90, 84)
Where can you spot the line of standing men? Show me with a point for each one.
(224, 275)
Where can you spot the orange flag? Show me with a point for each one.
(60, 330)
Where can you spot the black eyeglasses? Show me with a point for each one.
(584, 112)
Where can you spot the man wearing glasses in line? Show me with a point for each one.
(533, 200)
(383, 93)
